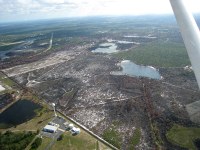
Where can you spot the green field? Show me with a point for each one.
(113, 137)
(5, 80)
(135, 139)
(183, 136)
(82, 141)
(45, 142)
(158, 53)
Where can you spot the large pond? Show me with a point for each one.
(19, 112)
(131, 69)
(137, 36)
(20, 48)
(106, 48)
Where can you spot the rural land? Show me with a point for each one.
(126, 82)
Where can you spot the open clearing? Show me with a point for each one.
(183, 136)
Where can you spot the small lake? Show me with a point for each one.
(19, 112)
(19, 49)
(137, 36)
(106, 48)
(131, 69)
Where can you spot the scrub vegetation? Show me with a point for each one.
(158, 54)
(113, 137)
(15, 141)
(135, 139)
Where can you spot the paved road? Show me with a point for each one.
(50, 43)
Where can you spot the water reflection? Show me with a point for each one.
(106, 48)
(19, 112)
(131, 69)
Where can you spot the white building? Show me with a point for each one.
(1, 88)
(75, 130)
(70, 126)
(50, 129)
(66, 124)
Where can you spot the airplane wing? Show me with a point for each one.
(190, 33)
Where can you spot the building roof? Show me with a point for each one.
(71, 125)
(1, 88)
(74, 129)
(50, 127)
(66, 123)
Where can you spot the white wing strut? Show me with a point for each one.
(190, 33)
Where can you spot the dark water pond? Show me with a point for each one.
(19, 112)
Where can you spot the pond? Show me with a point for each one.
(106, 48)
(137, 36)
(19, 112)
(18, 50)
(128, 42)
(131, 69)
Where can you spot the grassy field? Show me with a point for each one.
(5, 80)
(82, 141)
(158, 53)
(135, 139)
(78, 142)
(113, 137)
(183, 136)
(45, 142)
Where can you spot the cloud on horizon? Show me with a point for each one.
(40, 9)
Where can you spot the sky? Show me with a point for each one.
(19, 10)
